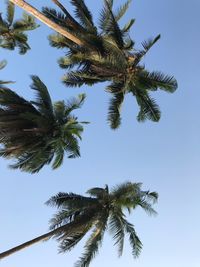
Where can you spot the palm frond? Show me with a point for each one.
(97, 192)
(43, 99)
(112, 28)
(55, 16)
(134, 240)
(146, 47)
(63, 217)
(155, 80)
(74, 103)
(69, 242)
(122, 10)
(10, 12)
(127, 27)
(148, 107)
(78, 78)
(116, 228)
(68, 19)
(59, 41)
(104, 14)
(84, 15)
(126, 190)
(114, 110)
(94, 242)
(70, 200)
(27, 23)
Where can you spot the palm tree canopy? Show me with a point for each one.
(109, 55)
(103, 210)
(38, 132)
(12, 33)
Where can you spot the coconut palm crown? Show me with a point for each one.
(103, 210)
(12, 33)
(38, 132)
(108, 54)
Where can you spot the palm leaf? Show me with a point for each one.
(134, 240)
(114, 110)
(112, 28)
(155, 80)
(74, 103)
(10, 12)
(70, 200)
(146, 47)
(148, 107)
(94, 242)
(117, 229)
(43, 100)
(84, 15)
(122, 10)
(27, 23)
(127, 27)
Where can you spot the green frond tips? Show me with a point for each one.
(102, 211)
(38, 132)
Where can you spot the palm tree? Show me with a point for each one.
(102, 210)
(109, 56)
(12, 33)
(38, 132)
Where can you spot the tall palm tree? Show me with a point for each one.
(38, 132)
(110, 55)
(102, 210)
(13, 33)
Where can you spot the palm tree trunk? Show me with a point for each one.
(82, 221)
(37, 14)
(31, 242)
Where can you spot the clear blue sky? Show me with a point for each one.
(164, 156)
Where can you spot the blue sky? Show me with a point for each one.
(163, 156)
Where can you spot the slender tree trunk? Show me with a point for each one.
(37, 14)
(31, 242)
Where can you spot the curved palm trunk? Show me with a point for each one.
(37, 14)
(31, 242)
